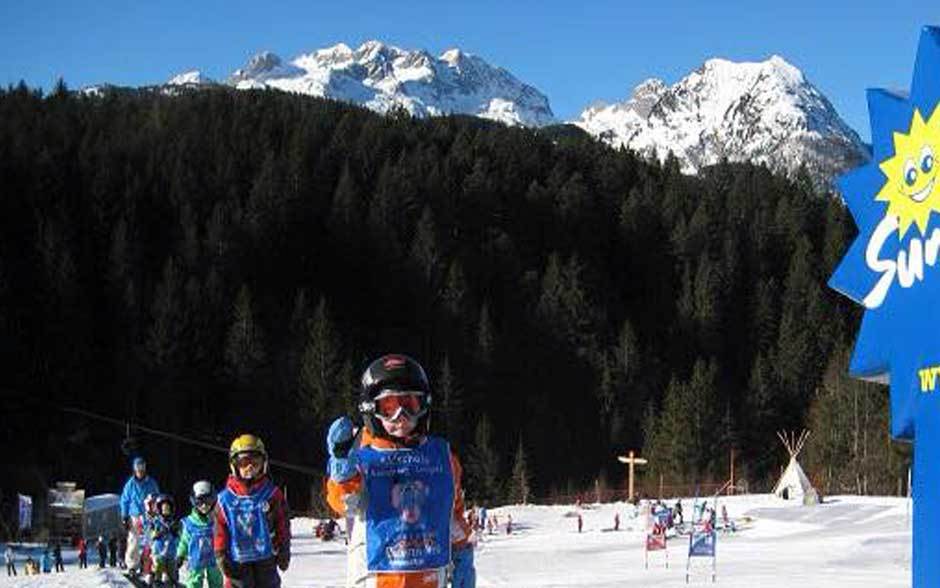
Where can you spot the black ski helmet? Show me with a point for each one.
(165, 499)
(393, 372)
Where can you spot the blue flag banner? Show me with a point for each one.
(890, 269)
(25, 510)
(702, 544)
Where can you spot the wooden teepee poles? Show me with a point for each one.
(793, 444)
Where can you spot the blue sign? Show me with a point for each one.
(891, 270)
(25, 510)
(702, 544)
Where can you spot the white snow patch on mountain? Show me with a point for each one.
(382, 77)
(761, 112)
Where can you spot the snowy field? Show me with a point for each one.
(847, 542)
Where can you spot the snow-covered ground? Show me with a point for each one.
(847, 542)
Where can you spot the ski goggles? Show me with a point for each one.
(246, 459)
(204, 503)
(389, 405)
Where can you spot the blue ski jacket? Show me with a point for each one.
(132, 498)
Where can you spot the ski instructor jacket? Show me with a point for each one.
(132, 497)
(406, 507)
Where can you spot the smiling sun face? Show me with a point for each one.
(913, 187)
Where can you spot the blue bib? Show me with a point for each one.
(410, 503)
(163, 546)
(246, 516)
(200, 555)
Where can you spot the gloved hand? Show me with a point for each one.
(339, 439)
(339, 442)
(283, 559)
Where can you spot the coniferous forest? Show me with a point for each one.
(217, 261)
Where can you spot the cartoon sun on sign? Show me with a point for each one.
(912, 191)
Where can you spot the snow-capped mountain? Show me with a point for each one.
(190, 78)
(381, 77)
(764, 112)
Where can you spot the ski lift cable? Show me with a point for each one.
(174, 436)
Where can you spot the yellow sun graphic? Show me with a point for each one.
(912, 189)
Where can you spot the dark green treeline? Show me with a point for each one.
(222, 261)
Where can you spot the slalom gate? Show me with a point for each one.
(703, 540)
(656, 524)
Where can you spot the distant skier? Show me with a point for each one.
(82, 553)
(137, 487)
(10, 558)
(102, 551)
(252, 525)
(677, 512)
(112, 551)
(616, 521)
(45, 561)
(164, 537)
(580, 523)
(122, 551)
(195, 546)
(414, 509)
(483, 520)
(57, 557)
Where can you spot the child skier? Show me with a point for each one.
(401, 484)
(57, 558)
(145, 523)
(195, 546)
(252, 529)
(164, 537)
(82, 553)
(10, 558)
(102, 551)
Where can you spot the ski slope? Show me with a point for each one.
(847, 542)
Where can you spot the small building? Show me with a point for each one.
(65, 509)
(102, 516)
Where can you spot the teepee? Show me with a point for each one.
(793, 484)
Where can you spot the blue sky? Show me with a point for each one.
(574, 52)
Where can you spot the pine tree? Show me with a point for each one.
(163, 334)
(483, 465)
(486, 338)
(452, 415)
(320, 365)
(455, 291)
(244, 345)
(519, 485)
(425, 252)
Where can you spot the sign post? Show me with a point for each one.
(891, 269)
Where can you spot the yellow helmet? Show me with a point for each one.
(246, 443)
